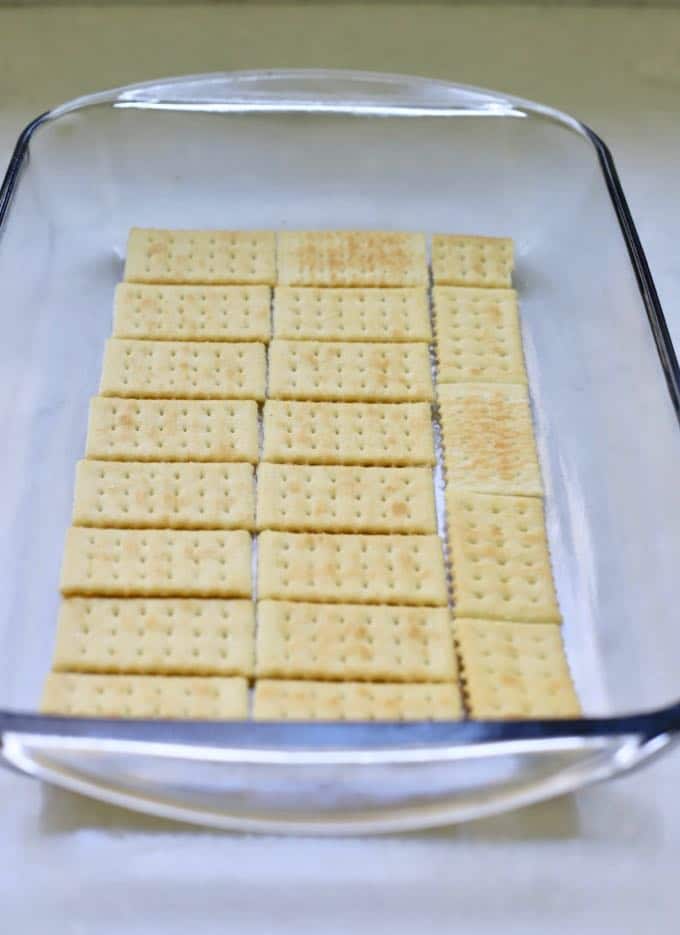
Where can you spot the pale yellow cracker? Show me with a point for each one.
(183, 369)
(351, 258)
(305, 314)
(339, 370)
(516, 670)
(478, 336)
(462, 260)
(345, 499)
(146, 696)
(500, 557)
(155, 636)
(172, 430)
(347, 641)
(488, 438)
(345, 568)
(183, 495)
(221, 257)
(355, 701)
(192, 313)
(155, 562)
(348, 433)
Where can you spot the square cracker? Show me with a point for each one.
(145, 696)
(347, 641)
(345, 499)
(348, 433)
(516, 670)
(342, 370)
(172, 430)
(478, 336)
(351, 258)
(183, 369)
(156, 562)
(347, 568)
(312, 314)
(180, 495)
(156, 636)
(488, 438)
(192, 313)
(500, 557)
(200, 256)
(354, 701)
(463, 260)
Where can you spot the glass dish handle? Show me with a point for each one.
(274, 778)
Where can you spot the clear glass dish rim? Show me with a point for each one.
(399, 741)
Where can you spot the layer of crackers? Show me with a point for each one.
(255, 531)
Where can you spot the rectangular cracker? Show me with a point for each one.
(488, 438)
(345, 499)
(192, 313)
(348, 433)
(183, 369)
(221, 257)
(464, 260)
(515, 670)
(172, 430)
(342, 370)
(352, 569)
(183, 495)
(155, 636)
(500, 557)
(354, 701)
(349, 642)
(145, 696)
(312, 314)
(478, 336)
(156, 562)
(351, 258)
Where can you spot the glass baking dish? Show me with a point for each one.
(312, 149)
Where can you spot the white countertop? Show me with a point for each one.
(602, 861)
